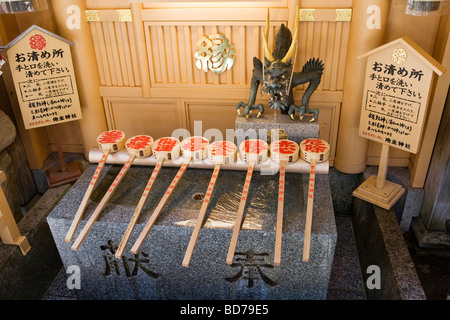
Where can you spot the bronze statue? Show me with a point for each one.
(278, 79)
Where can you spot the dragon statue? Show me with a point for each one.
(277, 77)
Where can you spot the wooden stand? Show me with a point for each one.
(378, 190)
(9, 232)
(65, 172)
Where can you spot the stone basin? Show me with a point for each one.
(156, 272)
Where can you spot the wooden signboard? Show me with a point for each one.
(396, 92)
(42, 69)
(44, 79)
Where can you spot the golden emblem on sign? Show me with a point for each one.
(399, 55)
(215, 53)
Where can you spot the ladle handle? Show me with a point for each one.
(309, 210)
(201, 217)
(137, 211)
(87, 195)
(76, 245)
(137, 245)
(279, 227)
(240, 214)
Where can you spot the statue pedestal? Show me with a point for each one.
(297, 130)
(156, 272)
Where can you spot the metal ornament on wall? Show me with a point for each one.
(215, 53)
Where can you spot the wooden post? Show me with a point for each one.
(141, 49)
(65, 172)
(382, 169)
(62, 162)
(9, 232)
(378, 190)
(365, 34)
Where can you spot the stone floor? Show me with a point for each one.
(433, 268)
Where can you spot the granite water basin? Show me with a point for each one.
(156, 271)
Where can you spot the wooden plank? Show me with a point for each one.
(215, 78)
(302, 43)
(162, 54)
(114, 58)
(323, 47)
(342, 56)
(328, 61)
(153, 55)
(336, 50)
(121, 56)
(109, 53)
(141, 46)
(200, 33)
(421, 161)
(98, 55)
(182, 58)
(188, 54)
(229, 72)
(9, 232)
(125, 42)
(243, 51)
(134, 58)
(104, 56)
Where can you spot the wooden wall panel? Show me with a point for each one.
(171, 33)
(328, 41)
(138, 116)
(115, 50)
(220, 116)
(171, 53)
(171, 40)
(171, 46)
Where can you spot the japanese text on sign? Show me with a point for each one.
(42, 70)
(395, 98)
